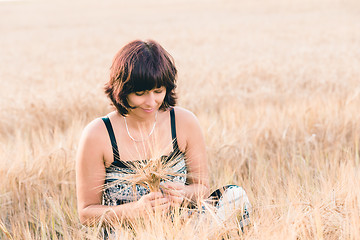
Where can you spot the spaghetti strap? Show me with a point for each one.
(112, 138)
(173, 129)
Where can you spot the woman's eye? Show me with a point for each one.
(160, 90)
(139, 93)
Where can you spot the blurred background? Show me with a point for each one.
(275, 85)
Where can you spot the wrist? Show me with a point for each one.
(195, 193)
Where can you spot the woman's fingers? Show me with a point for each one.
(176, 200)
(159, 201)
(175, 193)
(175, 196)
(155, 201)
(153, 195)
(171, 189)
(173, 185)
(162, 207)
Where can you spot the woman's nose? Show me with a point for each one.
(150, 100)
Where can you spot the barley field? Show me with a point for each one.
(274, 84)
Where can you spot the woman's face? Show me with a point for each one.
(146, 102)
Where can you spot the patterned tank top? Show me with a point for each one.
(116, 193)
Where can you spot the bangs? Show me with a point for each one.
(148, 74)
(145, 79)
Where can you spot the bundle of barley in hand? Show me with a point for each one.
(147, 173)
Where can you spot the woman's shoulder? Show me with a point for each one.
(94, 129)
(184, 116)
(188, 128)
(181, 112)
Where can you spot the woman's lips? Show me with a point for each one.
(148, 110)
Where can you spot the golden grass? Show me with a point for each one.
(148, 173)
(275, 85)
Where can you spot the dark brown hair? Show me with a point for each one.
(141, 66)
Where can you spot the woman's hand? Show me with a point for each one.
(152, 202)
(174, 191)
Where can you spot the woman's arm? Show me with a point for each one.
(90, 177)
(191, 141)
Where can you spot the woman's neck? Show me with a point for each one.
(136, 120)
(145, 125)
(142, 129)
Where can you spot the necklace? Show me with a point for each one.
(143, 139)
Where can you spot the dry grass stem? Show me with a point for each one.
(147, 173)
(274, 84)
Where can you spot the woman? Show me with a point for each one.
(141, 88)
